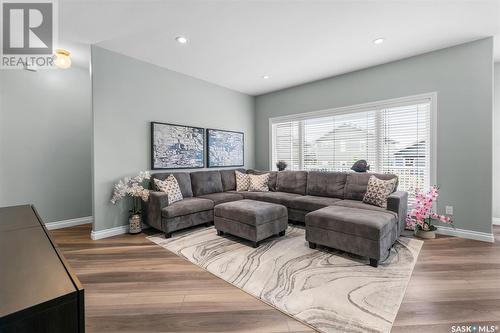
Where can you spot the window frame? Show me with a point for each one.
(430, 98)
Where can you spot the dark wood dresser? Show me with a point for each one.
(38, 290)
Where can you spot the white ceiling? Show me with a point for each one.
(234, 43)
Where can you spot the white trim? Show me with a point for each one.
(386, 103)
(496, 221)
(69, 223)
(100, 234)
(469, 234)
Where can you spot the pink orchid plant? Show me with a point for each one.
(422, 215)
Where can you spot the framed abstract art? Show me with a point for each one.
(225, 148)
(177, 146)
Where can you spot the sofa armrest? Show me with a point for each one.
(398, 202)
(152, 208)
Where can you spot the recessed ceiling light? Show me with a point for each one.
(379, 40)
(181, 39)
(265, 77)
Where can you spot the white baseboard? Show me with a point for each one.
(123, 229)
(469, 234)
(69, 223)
(100, 234)
(496, 221)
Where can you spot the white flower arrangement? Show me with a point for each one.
(132, 187)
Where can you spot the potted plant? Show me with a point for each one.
(422, 217)
(281, 165)
(134, 188)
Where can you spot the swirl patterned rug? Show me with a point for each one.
(328, 290)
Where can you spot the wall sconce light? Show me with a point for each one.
(62, 59)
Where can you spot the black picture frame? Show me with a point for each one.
(210, 163)
(155, 166)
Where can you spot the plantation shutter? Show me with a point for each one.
(392, 138)
(336, 142)
(405, 146)
(286, 144)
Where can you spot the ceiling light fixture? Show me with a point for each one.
(265, 77)
(62, 59)
(181, 39)
(379, 40)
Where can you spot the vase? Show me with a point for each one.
(425, 234)
(134, 222)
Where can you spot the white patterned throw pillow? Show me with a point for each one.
(259, 183)
(242, 181)
(378, 190)
(171, 187)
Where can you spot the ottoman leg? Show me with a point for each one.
(255, 245)
(220, 233)
(282, 233)
(312, 245)
(374, 262)
(168, 235)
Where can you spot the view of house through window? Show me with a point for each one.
(393, 139)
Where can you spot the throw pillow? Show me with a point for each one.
(242, 181)
(171, 187)
(259, 183)
(378, 190)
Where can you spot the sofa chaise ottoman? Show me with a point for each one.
(363, 232)
(250, 219)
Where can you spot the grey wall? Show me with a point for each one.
(496, 147)
(127, 95)
(45, 141)
(462, 78)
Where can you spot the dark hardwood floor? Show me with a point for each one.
(133, 285)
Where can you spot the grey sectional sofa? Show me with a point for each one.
(301, 193)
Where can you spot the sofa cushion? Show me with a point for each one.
(361, 205)
(326, 184)
(183, 179)
(356, 184)
(206, 182)
(292, 182)
(282, 198)
(187, 206)
(364, 223)
(273, 177)
(311, 202)
(222, 197)
(250, 212)
(228, 179)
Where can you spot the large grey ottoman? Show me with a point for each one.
(363, 232)
(250, 219)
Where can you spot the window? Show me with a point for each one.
(393, 138)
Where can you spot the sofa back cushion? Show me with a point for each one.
(326, 184)
(206, 182)
(183, 179)
(356, 184)
(273, 177)
(292, 182)
(228, 179)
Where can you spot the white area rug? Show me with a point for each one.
(328, 290)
